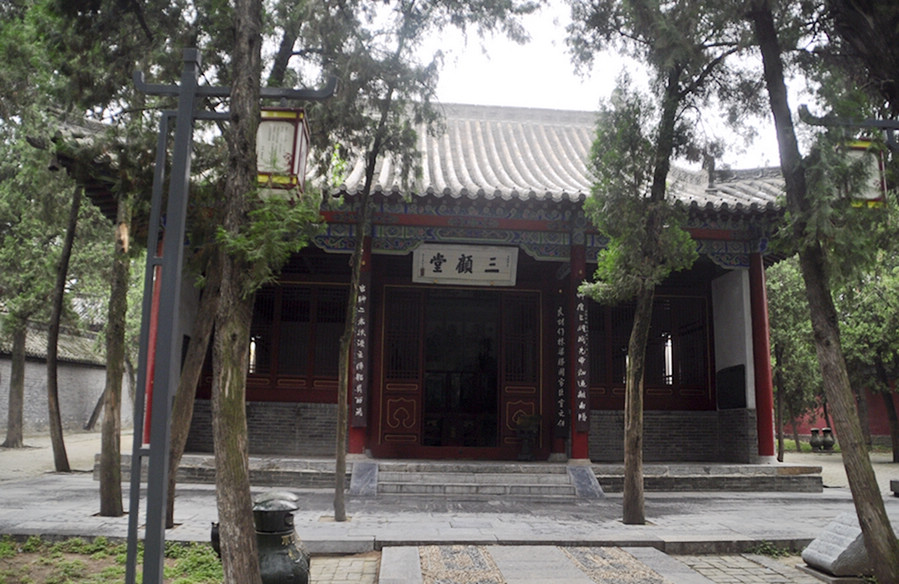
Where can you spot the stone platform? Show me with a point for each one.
(508, 478)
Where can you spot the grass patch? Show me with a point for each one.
(766, 548)
(790, 446)
(98, 561)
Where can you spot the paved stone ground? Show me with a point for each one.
(547, 564)
(29, 503)
(354, 569)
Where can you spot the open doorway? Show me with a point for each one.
(461, 392)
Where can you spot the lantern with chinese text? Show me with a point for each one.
(282, 143)
(873, 188)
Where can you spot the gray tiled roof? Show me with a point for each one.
(507, 153)
(73, 347)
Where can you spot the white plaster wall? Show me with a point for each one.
(732, 321)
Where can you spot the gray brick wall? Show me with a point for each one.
(705, 436)
(738, 436)
(80, 386)
(296, 429)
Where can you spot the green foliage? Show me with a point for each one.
(8, 547)
(849, 232)
(795, 363)
(67, 571)
(868, 306)
(33, 544)
(72, 561)
(197, 563)
(771, 550)
(276, 229)
(647, 241)
(387, 82)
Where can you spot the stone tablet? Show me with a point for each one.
(364, 480)
(840, 549)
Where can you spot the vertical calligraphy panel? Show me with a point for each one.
(560, 366)
(360, 354)
(581, 368)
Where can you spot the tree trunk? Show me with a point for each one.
(342, 406)
(779, 420)
(346, 339)
(861, 401)
(240, 560)
(237, 533)
(183, 406)
(633, 507)
(890, 407)
(880, 540)
(95, 413)
(792, 414)
(60, 459)
(111, 434)
(15, 425)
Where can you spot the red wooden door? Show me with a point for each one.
(401, 407)
(520, 371)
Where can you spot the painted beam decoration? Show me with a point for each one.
(475, 265)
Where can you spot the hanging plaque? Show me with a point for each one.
(476, 265)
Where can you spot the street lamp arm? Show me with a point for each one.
(320, 94)
(889, 126)
(266, 92)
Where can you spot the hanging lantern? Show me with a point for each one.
(282, 143)
(873, 190)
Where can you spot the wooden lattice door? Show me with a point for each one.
(401, 391)
(520, 371)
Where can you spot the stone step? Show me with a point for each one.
(473, 467)
(680, 477)
(527, 478)
(437, 477)
(468, 489)
(493, 479)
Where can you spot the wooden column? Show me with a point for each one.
(761, 352)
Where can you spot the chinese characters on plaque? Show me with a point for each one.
(359, 352)
(582, 368)
(561, 372)
(465, 264)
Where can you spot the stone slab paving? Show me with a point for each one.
(722, 524)
(354, 569)
(746, 569)
(473, 564)
(529, 564)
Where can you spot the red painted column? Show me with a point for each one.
(359, 423)
(152, 334)
(761, 352)
(579, 432)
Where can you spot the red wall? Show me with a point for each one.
(877, 417)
